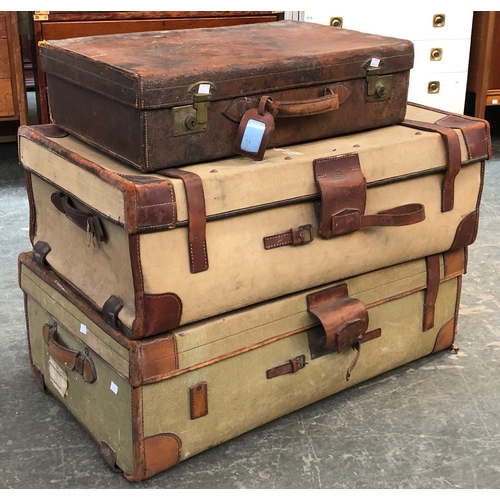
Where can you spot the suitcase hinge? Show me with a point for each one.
(193, 118)
(378, 87)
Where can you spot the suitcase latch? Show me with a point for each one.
(193, 118)
(378, 87)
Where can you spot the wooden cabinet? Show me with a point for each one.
(484, 62)
(59, 25)
(13, 108)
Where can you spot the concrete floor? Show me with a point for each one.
(431, 424)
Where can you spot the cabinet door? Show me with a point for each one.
(7, 108)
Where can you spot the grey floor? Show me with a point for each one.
(431, 424)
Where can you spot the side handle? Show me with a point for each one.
(87, 221)
(76, 361)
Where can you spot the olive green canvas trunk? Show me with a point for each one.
(151, 403)
(153, 252)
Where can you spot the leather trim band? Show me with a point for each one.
(454, 158)
(431, 292)
(197, 217)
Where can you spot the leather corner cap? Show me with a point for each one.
(466, 232)
(161, 452)
(161, 313)
(445, 337)
(153, 358)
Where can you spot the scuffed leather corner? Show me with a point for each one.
(445, 337)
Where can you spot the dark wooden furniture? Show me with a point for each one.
(58, 25)
(484, 62)
(13, 107)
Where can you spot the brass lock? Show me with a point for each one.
(193, 118)
(378, 87)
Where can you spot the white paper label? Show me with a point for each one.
(58, 377)
(114, 387)
(252, 137)
(494, 101)
(83, 329)
(375, 62)
(204, 88)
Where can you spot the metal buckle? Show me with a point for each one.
(306, 234)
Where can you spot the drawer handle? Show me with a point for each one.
(76, 361)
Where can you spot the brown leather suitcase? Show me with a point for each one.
(153, 253)
(169, 98)
(152, 403)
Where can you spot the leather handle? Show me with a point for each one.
(74, 360)
(333, 96)
(307, 107)
(86, 221)
(404, 215)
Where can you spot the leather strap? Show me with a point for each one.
(343, 187)
(74, 360)
(454, 159)
(431, 291)
(294, 237)
(291, 366)
(197, 217)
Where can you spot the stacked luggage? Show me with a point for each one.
(227, 230)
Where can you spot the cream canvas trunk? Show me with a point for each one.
(156, 251)
(151, 403)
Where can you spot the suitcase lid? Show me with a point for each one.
(237, 185)
(158, 69)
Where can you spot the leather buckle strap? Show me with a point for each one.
(295, 236)
(291, 366)
(197, 217)
(454, 159)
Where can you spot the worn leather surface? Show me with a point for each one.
(133, 80)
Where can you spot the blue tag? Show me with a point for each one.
(252, 137)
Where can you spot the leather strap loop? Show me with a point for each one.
(74, 360)
(197, 217)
